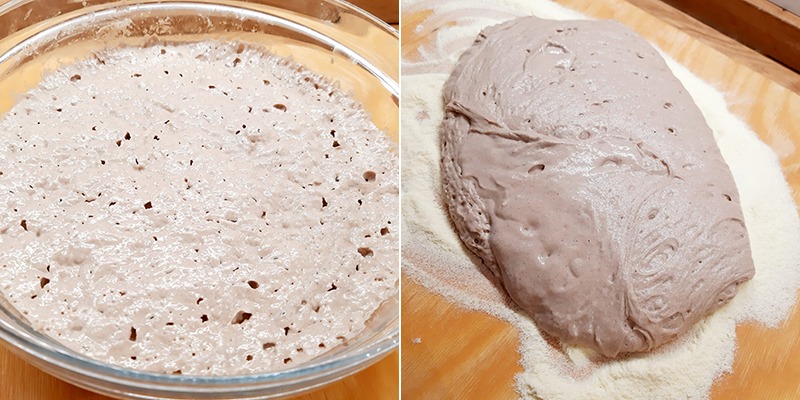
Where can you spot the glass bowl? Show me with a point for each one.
(330, 37)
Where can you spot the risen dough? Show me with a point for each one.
(582, 174)
(203, 208)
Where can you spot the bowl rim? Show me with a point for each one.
(32, 343)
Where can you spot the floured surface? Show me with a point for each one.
(433, 253)
(196, 209)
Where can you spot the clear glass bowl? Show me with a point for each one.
(330, 37)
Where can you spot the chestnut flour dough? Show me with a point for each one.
(198, 208)
(583, 175)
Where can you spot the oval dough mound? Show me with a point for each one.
(580, 171)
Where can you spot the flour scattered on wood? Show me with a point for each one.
(434, 256)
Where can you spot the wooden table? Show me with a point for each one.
(21, 381)
(760, 24)
(471, 355)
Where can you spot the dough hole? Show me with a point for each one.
(536, 168)
(240, 317)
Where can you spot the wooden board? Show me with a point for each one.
(20, 380)
(470, 355)
(707, 35)
(386, 10)
(759, 24)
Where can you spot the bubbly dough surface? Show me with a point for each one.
(199, 209)
(579, 170)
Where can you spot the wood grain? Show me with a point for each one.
(461, 354)
(742, 54)
(386, 10)
(20, 380)
(759, 24)
(470, 355)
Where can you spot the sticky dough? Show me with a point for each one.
(576, 166)
(200, 208)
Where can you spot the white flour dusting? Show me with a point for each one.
(434, 256)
